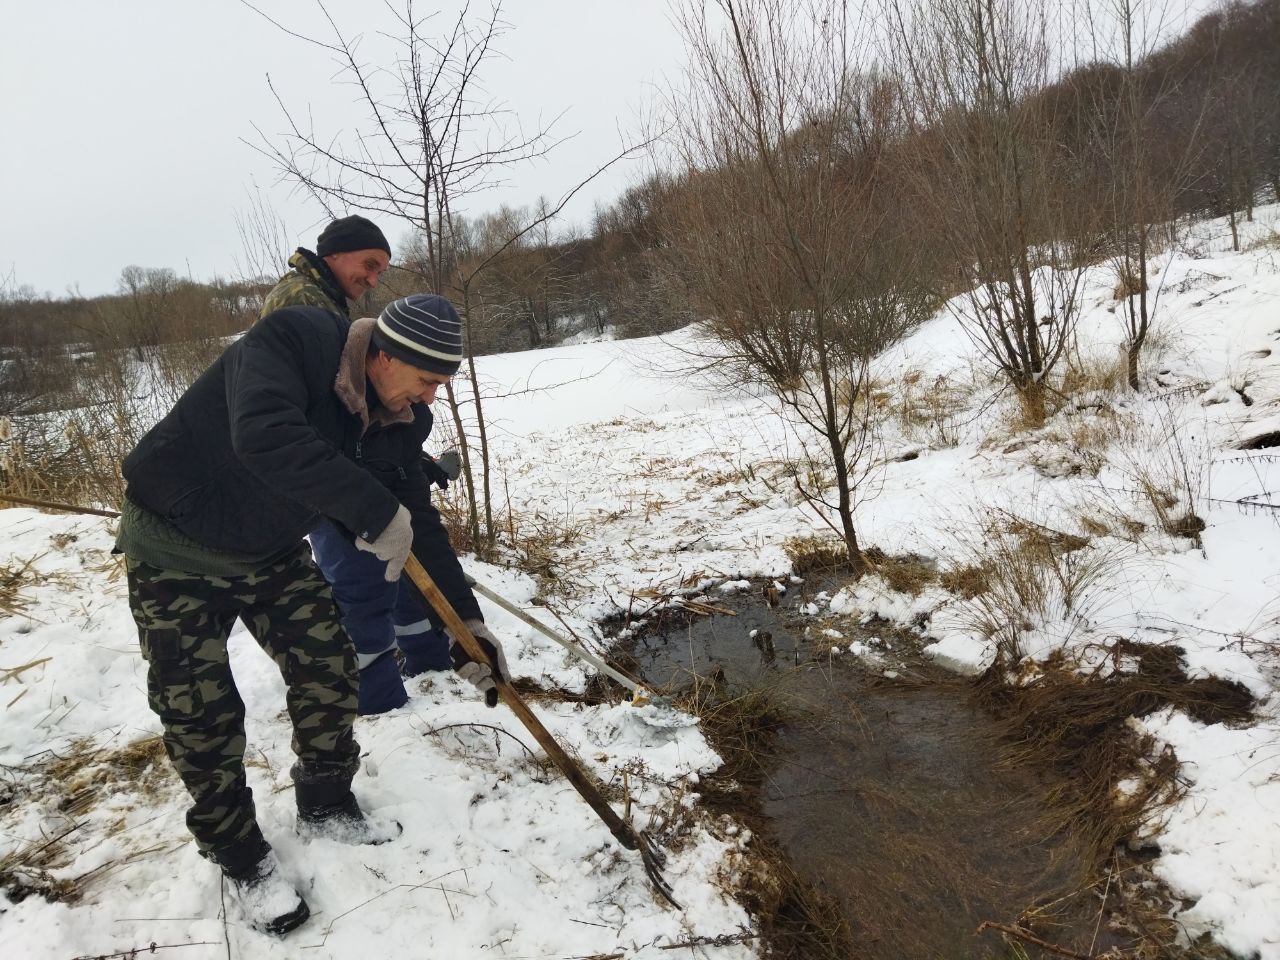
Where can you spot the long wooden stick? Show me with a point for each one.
(575, 774)
(69, 507)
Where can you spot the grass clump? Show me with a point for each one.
(927, 409)
(70, 786)
(813, 554)
(965, 581)
(1016, 575)
(906, 573)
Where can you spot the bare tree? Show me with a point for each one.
(1241, 123)
(1000, 191)
(264, 241)
(1144, 161)
(780, 236)
(632, 285)
(146, 306)
(432, 137)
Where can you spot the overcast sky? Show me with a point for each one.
(123, 121)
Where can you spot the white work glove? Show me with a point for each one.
(393, 544)
(478, 674)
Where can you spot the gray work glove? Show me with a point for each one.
(451, 463)
(393, 544)
(479, 675)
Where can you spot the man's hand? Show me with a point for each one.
(440, 470)
(435, 473)
(479, 674)
(451, 463)
(393, 544)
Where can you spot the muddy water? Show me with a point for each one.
(888, 795)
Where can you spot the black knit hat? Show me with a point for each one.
(351, 233)
(423, 330)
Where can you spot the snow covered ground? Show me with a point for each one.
(630, 475)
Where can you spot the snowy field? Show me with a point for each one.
(638, 476)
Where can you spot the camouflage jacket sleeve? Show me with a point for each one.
(295, 290)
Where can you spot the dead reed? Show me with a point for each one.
(1113, 783)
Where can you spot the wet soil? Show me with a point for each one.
(889, 795)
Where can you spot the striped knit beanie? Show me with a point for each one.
(423, 330)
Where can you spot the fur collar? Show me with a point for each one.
(350, 383)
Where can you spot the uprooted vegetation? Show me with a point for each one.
(1112, 783)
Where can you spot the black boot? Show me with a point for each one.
(266, 898)
(344, 822)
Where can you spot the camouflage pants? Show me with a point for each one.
(184, 620)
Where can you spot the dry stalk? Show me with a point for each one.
(1031, 938)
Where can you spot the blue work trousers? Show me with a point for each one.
(379, 617)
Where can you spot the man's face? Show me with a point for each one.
(358, 270)
(399, 384)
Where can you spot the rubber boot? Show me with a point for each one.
(266, 898)
(327, 810)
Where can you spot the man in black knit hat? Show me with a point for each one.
(351, 255)
(290, 425)
(383, 623)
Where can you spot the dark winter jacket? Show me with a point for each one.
(309, 284)
(278, 433)
(261, 445)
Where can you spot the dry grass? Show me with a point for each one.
(928, 409)
(539, 541)
(1020, 575)
(814, 554)
(903, 573)
(20, 574)
(54, 468)
(1111, 785)
(1165, 463)
(453, 511)
(1092, 375)
(1268, 241)
(71, 451)
(1129, 281)
(70, 786)
(12, 578)
(795, 918)
(967, 581)
(1079, 725)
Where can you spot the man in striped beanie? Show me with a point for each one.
(423, 331)
(305, 418)
(414, 348)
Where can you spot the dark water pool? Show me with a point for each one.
(888, 795)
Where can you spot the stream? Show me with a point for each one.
(886, 787)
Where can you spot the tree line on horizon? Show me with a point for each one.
(1198, 120)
